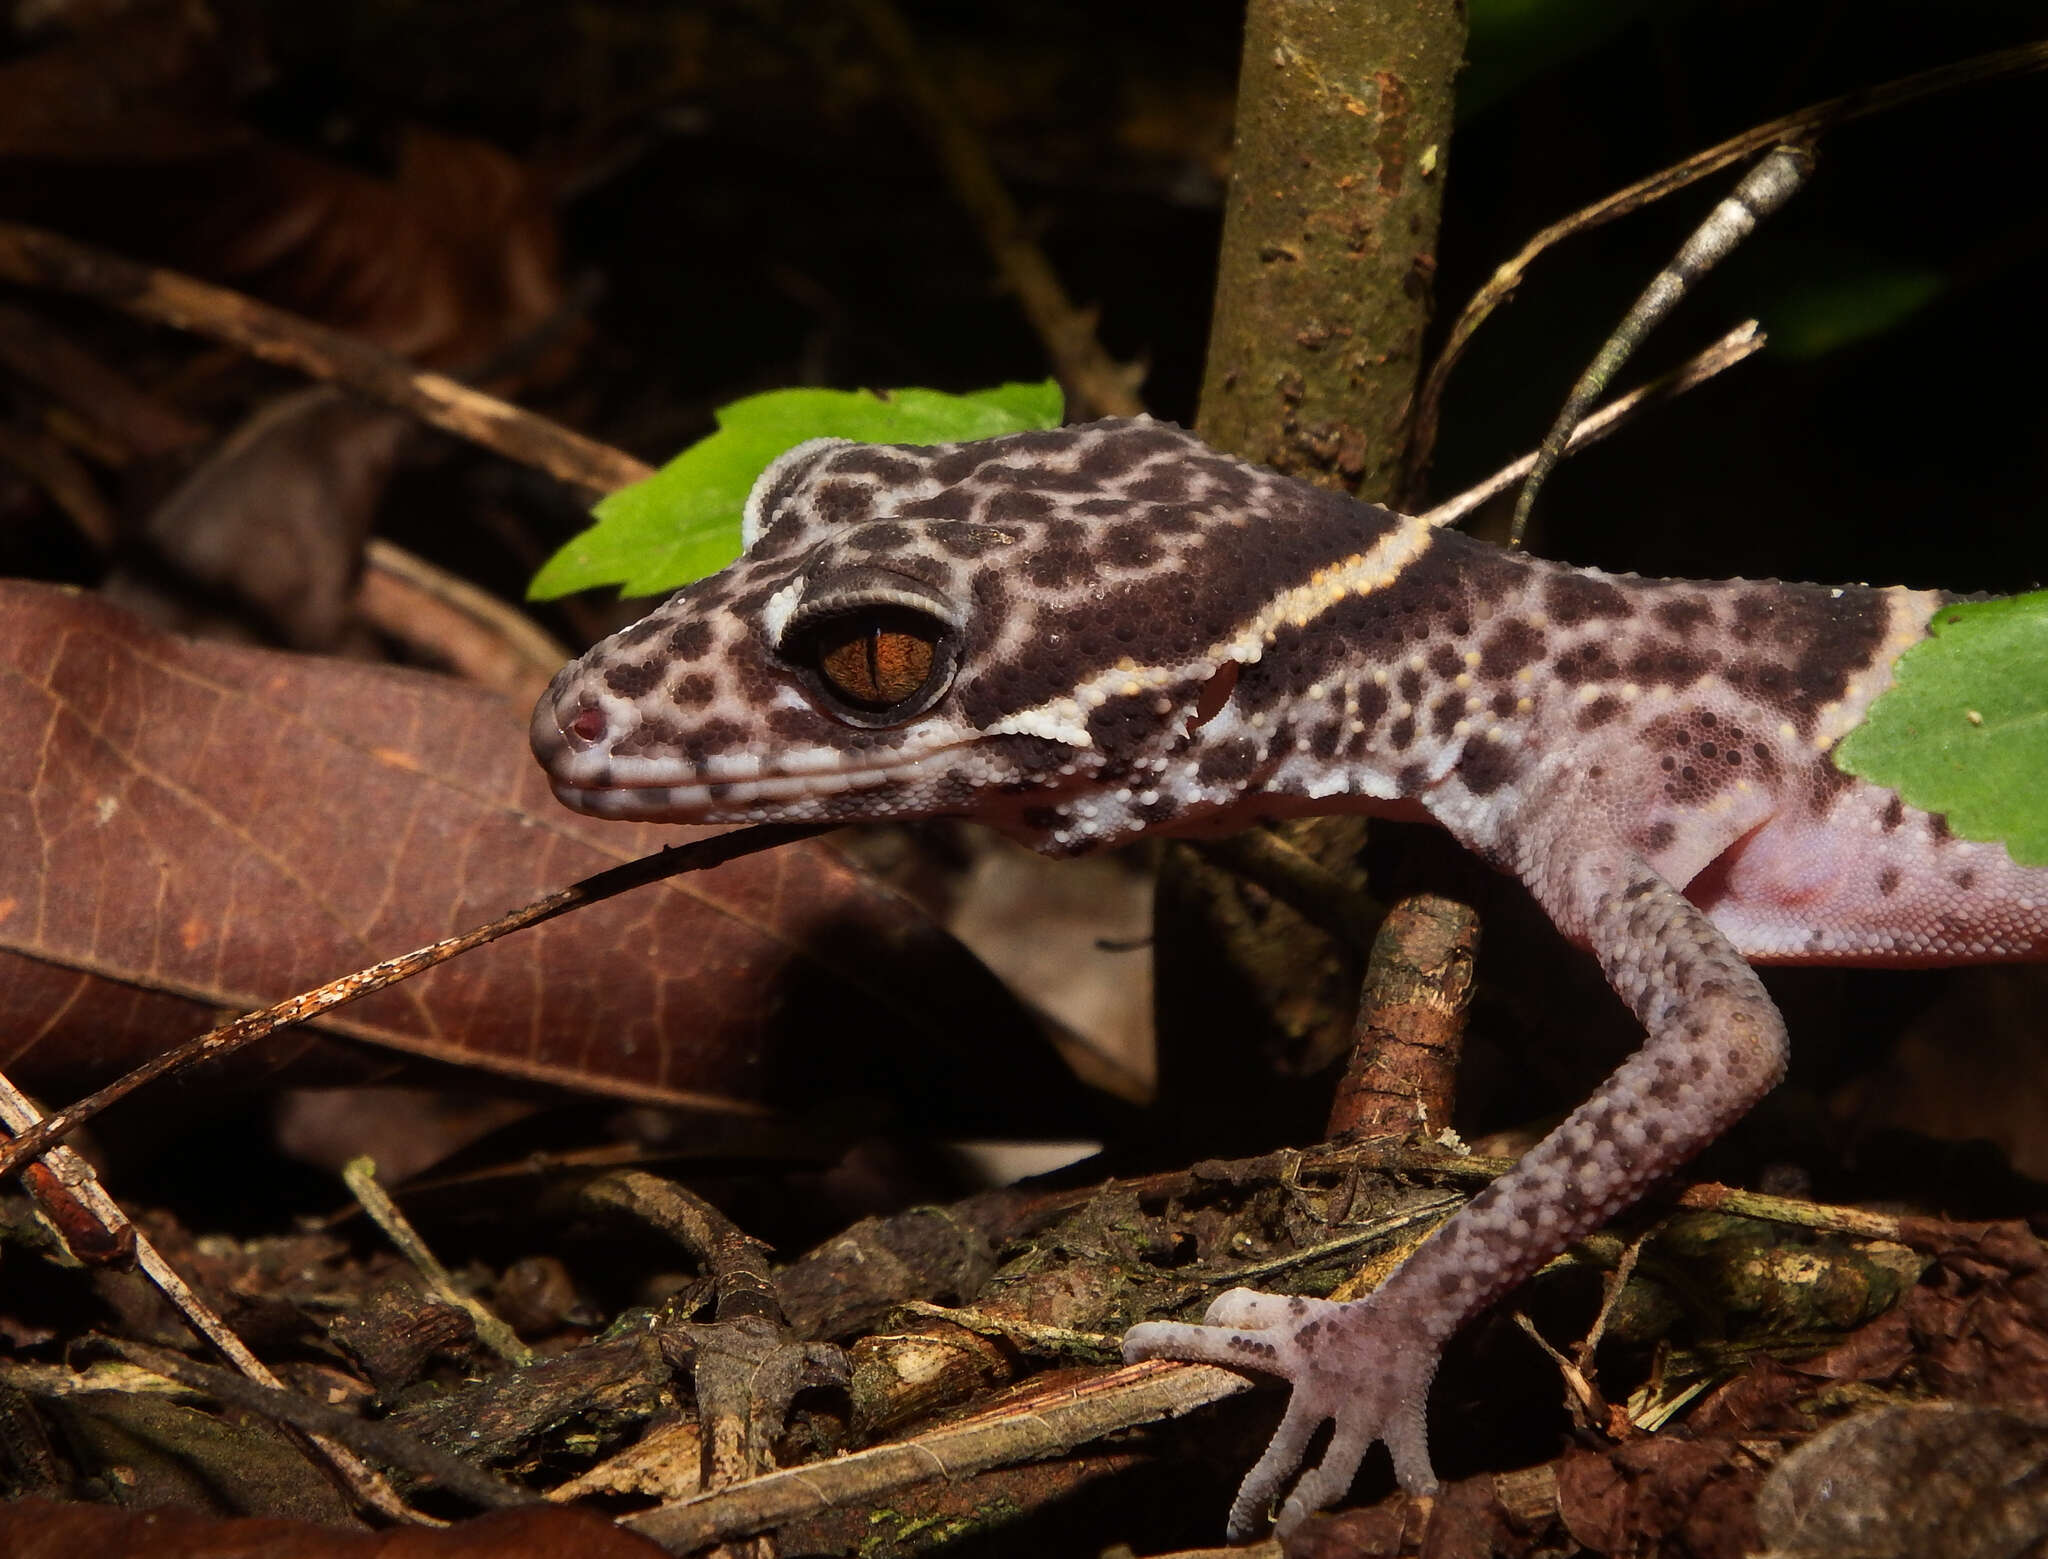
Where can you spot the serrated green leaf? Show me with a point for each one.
(683, 522)
(1963, 730)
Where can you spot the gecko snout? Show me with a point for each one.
(564, 724)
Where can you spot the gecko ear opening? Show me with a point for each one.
(1214, 695)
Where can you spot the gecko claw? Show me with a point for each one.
(1350, 1365)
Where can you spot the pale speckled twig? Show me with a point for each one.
(2020, 60)
(1766, 187)
(1745, 340)
(698, 855)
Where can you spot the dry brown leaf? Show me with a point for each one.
(272, 521)
(187, 826)
(41, 1529)
(449, 259)
(1900, 1482)
(144, 86)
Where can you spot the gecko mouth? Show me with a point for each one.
(754, 799)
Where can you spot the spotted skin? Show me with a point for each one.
(1131, 633)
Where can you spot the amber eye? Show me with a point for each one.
(879, 660)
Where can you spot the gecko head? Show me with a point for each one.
(1006, 629)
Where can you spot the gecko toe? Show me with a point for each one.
(1197, 1345)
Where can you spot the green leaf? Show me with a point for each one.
(683, 522)
(1812, 319)
(1964, 728)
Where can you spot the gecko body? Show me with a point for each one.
(1093, 633)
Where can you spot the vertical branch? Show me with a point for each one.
(1329, 240)
(1322, 295)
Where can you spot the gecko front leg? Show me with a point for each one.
(1715, 1045)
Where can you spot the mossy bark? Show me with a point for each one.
(1323, 294)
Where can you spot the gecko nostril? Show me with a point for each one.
(586, 728)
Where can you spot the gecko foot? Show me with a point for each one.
(1353, 1365)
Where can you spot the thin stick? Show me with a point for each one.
(1805, 124)
(1762, 191)
(383, 1440)
(360, 1176)
(1097, 383)
(36, 258)
(485, 640)
(76, 1177)
(697, 856)
(1745, 340)
(1047, 1422)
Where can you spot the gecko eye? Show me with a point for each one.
(878, 665)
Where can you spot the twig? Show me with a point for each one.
(1801, 125)
(1745, 340)
(745, 1369)
(1762, 191)
(36, 258)
(77, 1178)
(697, 856)
(487, 641)
(384, 1441)
(1411, 1021)
(1096, 384)
(64, 480)
(360, 1176)
(1301, 882)
(736, 1261)
(1049, 1423)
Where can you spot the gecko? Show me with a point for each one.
(1090, 634)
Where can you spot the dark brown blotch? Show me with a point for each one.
(1445, 714)
(1052, 568)
(1572, 598)
(951, 503)
(1017, 506)
(1683, 614)
(1599, 712)
(1667, 663)
(1486, 765)
(1511, 646)
(634, 678)
(1228, 762)
(1825, 785)
(1130, 546)
(887, 537)
(880, 462)
(1590, 661)
(691, 641)
(1163, 483)
(839, 501)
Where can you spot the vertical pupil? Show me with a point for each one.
(877, 663)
